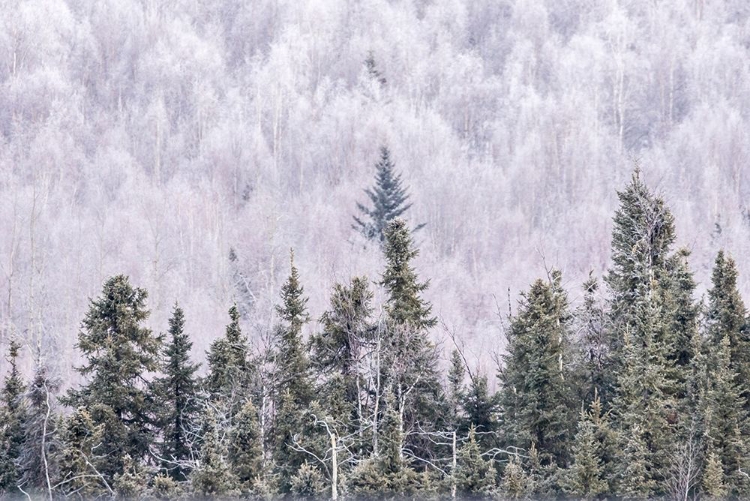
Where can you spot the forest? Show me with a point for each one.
(640, 392)
(154, 137)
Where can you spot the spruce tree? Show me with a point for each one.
(726, 317)
(515, 483)
(642, 237)
(245, 451)
(176, 393)
(213, 477)
(76, 459)
(474, 475)
(480, 411)
(586, 476)
(712, 485)
(456, 374)
(389, 201)
(409, 359)
(12, 421)
(226, 382)
(294, 387)
(726, 421)
(338, 349)
(119, 352)
(535, 395)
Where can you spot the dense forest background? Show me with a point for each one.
(156, 138)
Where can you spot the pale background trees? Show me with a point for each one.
(148, 138)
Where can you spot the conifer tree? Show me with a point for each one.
(294, 387)
(474, 475)
(293, 366)
(118, 352)
(535, 393)
(176, 393)
(213, 477)
(635, 480)
(726, 317)
(456, 375)
(36, 463)
(726, 421)
(515, 483)
(77, 457)
(642, 237)
(132, 483)
(389, 201)
(480, 410)
(593, 364)
(585, 477)
(12, 422)
(245, 451)
(338, 350)
(409, 362)
(226, 382)
(713, 486)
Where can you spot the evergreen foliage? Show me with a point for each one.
(118, 353)
(388, 197)
(474, 474)
(176, 393)
(585, 477)
(535, 393)
(226, 381)
(212, 476)
(245, 451)
(13, 418)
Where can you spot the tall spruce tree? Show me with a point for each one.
(226, 381)
(586, 476)
(12, 421)
(245, 451)
(118, 353)
(294, 387)
(339, 348)
(726, 421)
(409, 361)
(176, 393)
(535, 395)
(389, 201)
(726, 317)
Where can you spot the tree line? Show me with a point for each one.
(640, 391)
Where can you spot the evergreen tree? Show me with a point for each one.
(592, 347)
(338, 350)
(635, 480)
(713, 486)
(474, 475)
(78, 454)
(226, 382)
(294, 387)
(36, 463)
(515, 483)
(12, 421)
(308, 481)
(480, 410)
(118, 352)
(726, 317)
(642, 237)
(726, 421)
(456, 375)
(535, 393)
(245, 452)
(213, 477)
(409, 361)
(293, 366)
(132, 483)
(176, 394)
(389, 201)
(586, 476)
